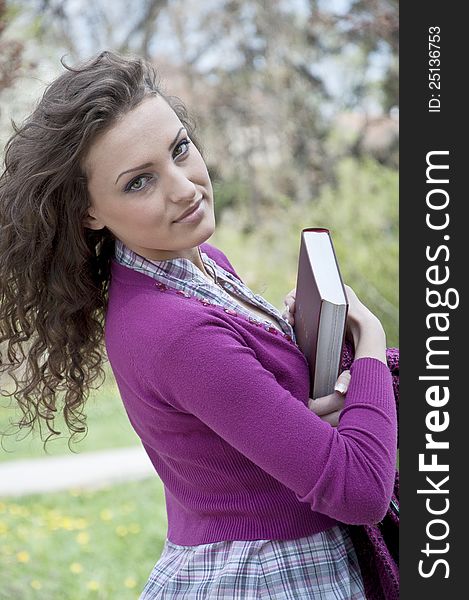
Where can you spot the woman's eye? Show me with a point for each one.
(137, 184)
(181, 146)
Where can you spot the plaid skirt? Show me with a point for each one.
(322, 566)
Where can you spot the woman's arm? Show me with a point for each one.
(345, 472)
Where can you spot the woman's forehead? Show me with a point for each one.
(151, 124)
(153, 114)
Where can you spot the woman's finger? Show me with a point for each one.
(332, 402)
(342, 382)
(290, 300)
(287, 315)
(326, 404)
(332, 418)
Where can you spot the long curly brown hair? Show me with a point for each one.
(54, 272)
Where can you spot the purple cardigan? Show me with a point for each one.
(220, 405)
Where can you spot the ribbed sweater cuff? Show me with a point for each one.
(371, 382)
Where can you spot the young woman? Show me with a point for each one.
(106, 207)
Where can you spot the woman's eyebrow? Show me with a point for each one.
(146, 165)
(175, 139)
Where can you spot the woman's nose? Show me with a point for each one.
(180, 188)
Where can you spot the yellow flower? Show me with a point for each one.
(18, 511)
(81, 523)
(75, 492)
(3, 528)
(36, 585)
(93, 585)
(134, 528)
(66, 523)
(3, 507)
(76, 568)
(22, 557)
(106, 515)
(130, 582)
(121, 531)
(54, 520)
(83, 538)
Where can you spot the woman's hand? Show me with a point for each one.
(358, 314)
(289, 312)
(328, 408)
(365, 329)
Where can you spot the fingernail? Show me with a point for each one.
(340, 387)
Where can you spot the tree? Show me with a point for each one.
(259, 75)
(11, 51)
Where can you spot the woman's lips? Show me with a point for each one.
(194, 215)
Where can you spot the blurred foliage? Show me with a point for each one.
(361, 210)
(267, 81)
(11, 50)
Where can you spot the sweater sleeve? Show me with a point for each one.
(346, 472)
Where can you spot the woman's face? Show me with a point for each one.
(144, 175)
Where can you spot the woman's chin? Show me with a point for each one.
(207, 228)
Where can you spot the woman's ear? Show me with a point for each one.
(92, 222)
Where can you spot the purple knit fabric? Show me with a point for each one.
(221, 407)
(377, 545)
(392, 358)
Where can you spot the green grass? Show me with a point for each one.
(108, 427)
(82, 545)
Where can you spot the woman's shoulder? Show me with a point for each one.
(151, 305)
(155, 311)
(152, 329)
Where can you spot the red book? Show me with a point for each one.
(321, 309)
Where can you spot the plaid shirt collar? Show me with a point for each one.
(181, 274)
(175, 272)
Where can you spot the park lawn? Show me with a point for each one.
(108, 427)
(82, 545)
